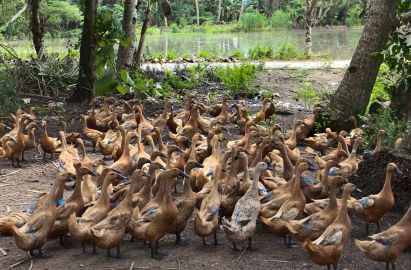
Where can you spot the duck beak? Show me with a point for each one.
(93, 174)
(71, 178)
(266, 197)
(399, 171)
(210, 173)
(146, 174)
(311, 166)
(117, 171)
(182, 174)
(355, 176)
(8, 128)
(359, 190)
(270, 167)
(198, 165)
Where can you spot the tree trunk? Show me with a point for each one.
(15, 17)
(241, 10)
(37, 26)
(308, 45)
(354, 91)
(88, 47)
(165, 22)
(197, 12)
(220, 2)
(126, 51)
(401, 96)
(144, 27)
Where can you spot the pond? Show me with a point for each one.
(337, 43)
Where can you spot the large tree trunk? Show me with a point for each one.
(146, 24)
(126, 51)
(37, 26)
(313, 14)
(354, 91)
(88, 47)
(197, 12)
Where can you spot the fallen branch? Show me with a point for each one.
(7, 174)
(242, 253)
(23, 261)
(132, 266)
(31, 261)
(178, 264)
(2, 251)
(15, 17)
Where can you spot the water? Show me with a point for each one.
(337, 43)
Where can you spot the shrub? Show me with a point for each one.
(251, 21)
(287, 51)
(203, 53)
(261, 52)
(174, 28)
(353, 18)
(382, 85)
(171, 55)
(385, 119)
(237, 79)
(280, 20)
(310, 95)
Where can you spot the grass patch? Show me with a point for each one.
(237, 80)
(287, 51)
(261, 52)
(280, 20)
(251, 21)
(310, 95)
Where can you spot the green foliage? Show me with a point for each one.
(9, 98)
(280, 20)
(251, 21)
(287, 51)
(353, 18)
(310, 95)
(382, 85)
(386, 120)
(171, 55)
(203, 53)
(237, 80)
(61, 15)
(261, 52)
(238, 54)
(174, 27)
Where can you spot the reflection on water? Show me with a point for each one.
(340, 44)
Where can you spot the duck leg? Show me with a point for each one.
(44, 155)
(108, 253)
(387, 266)
(289, 242)
(118, 255)
(180, 240)
(83, 246)
(335, 266)
(378, 225)
(215, 239)
(94, 249)
(18, 163)
(393, 266)
(367, 228)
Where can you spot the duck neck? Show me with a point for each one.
(129, 195)
(343, 214)
(55, 193)
(126, 148)
(244, 163)
(147, 186)
(77, 189)
(297, 184)
(45, 129)
(259, 155)
(104, 198)
(256, 177)
(387, 189)
(406, 219)
(161, 147)
(216, 149)
(161, 189)
(344, 146)
(63, 140)
(324, 178)
(286, 161)
(333, 199)
(187, 190)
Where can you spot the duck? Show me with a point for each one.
(74, 204)
(293, 154)
(125, 163)
(249, 127)
(349, 166)
(86, 161)
(89, 133)
(386, 246)
(109, 232)
(320, 190)
(79, 226)
(314, 225)
(321, 142)
(48, 144)
(15, 145)
(328, 248)
(70, 137)
(172, 123)
(161, 121)
(241, 227)
(142, 196)
(68, 156)
(207, 217)
(158, 217)
(291, 142)
(288, 167)
(215, 110)
(145, 126)
(185, 204)
(308, 124)
(380, 134)
(30, 139)
(370, 209)
(291, 209)
(33, 234)
(17, 219)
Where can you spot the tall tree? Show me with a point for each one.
(126, 49)
(197, 12)
(87, 68)
(314, 13)
(354, 91)
(220, 2)
(241, 10)
(37, 26)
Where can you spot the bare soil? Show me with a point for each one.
(18, 187)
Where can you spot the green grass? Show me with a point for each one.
(252, 21)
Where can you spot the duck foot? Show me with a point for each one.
(378, 226)
(94, 250)
(235, 248)
(118, 255)
(250, 244)
(389, 266)
(289, 242)
(155, 253)
(334, 266)
(182, 241)
(44, 256)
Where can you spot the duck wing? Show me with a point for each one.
(331, 236)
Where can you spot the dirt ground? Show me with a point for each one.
(19, 186)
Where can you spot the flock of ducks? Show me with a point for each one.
(229, 186)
